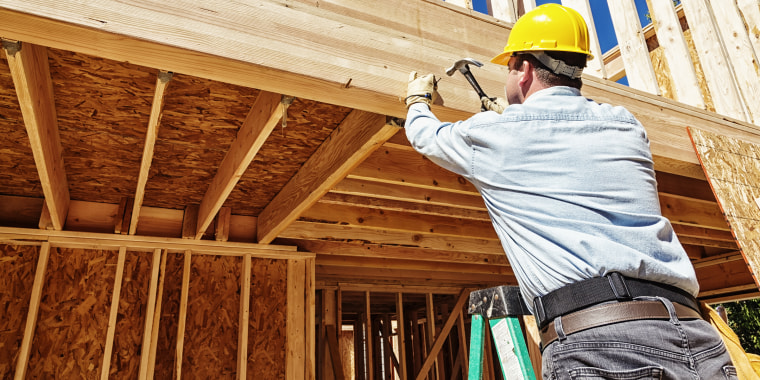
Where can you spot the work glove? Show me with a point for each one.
(494, 104)
(421, 89)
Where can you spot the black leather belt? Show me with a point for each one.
(614, 313)
(612, 287)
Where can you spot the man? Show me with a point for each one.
(570, 188)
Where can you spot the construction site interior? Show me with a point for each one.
(217, 189)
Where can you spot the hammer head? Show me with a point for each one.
(461, 65)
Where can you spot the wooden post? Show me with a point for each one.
(150, 311)
(401, 335)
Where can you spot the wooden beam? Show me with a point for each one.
(354, 139)
(148, 330)
(114, 312)
(156, 110)
(370, 187)
(368, 331)
(31, 77)
(443, 335)
(31, 317)
(182, 317)
(244, 318)
(264, 115)
(157, 318)
(400, 325)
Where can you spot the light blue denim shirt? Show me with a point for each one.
(569, 185)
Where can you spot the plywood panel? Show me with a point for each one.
(73, 314)
(17, 263)
(732, 167)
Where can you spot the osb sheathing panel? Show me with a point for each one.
(17, 265)
(19, 174)
(266, 329)
(732, 167)
(103, 108)
(211, 330)
(73, 316)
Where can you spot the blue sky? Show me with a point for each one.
(602, 20)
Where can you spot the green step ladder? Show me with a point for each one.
(502, 307)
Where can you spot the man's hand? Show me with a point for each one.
(421, 89)
(494, 104)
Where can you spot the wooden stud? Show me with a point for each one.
(332, 346)
(438, 344)
(149, 313)
(114, 312)
(245, 303)
(28, 64)
(157, 318)
(261, 120)
(462, 357)
(31, 316)
(633, 47)
(182, 317)
(401, 335)
(714, 58)
(295, 360)
(742, 56)
(430, 327)
(156, 110)
(368, 336)
(673, 42)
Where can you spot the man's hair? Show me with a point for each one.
(546, 76)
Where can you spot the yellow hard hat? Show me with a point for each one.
(549, 27)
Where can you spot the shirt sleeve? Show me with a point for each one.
(446, 144)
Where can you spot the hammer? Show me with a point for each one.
(462, 66)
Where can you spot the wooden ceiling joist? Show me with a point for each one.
(156, 110)
(348, 145)
(266, 112)
(31, 77)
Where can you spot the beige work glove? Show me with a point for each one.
(494, 104)
(421, 89)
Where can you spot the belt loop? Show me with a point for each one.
(617, 283)
(668, 306)
(558, 328)
(539, 312)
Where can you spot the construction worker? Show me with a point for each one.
(570, 188)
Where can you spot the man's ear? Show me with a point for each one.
(526, 73)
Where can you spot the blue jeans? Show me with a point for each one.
(640, 349)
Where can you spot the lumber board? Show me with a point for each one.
(633, 46)
(32, 313)
(715, 59)
(113, 313)
(235, 65)
(443, 335)
(359, 134)
(182, 315)
(29, 68)
(737, 44)
(156, 110)
(244, 316)
(261, 120)
(148, 330)
(676, 50)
